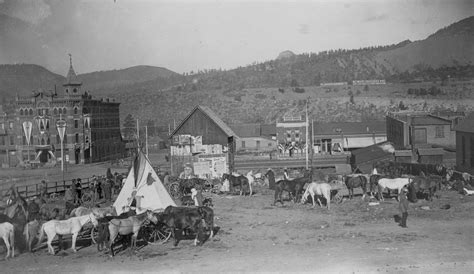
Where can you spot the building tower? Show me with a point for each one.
(72, 85)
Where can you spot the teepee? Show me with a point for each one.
(143, 185)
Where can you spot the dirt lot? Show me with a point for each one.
(255, 236)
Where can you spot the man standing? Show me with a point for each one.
(403, 206)
(271, 178)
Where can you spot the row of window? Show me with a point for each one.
(45, 111)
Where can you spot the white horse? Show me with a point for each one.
(251, 179)
(99, 212)
(8, 236)
(65, 227)
(320, 189)
(391, 184)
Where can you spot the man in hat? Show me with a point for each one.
(187, 173)
(403, 206)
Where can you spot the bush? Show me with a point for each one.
(281, 90)
(299, 90)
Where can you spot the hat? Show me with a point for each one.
(188, 165)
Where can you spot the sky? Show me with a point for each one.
(187, 35)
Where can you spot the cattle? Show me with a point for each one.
(187, 218)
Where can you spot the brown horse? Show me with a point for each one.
(422, 185)
(355, 181)
(294, 187)
(240, 181)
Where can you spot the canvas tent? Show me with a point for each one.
(143, 185)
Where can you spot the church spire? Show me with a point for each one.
(71, 78)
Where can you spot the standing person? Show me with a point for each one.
(33, 210)
(99, 187)
(43, 189)
(196, 195)
(286, 175)
(74, 191)
(69, 198)
(79, 190)
(403, 206)
(107, 188)
(271, 178)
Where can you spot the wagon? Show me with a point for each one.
(338, 191)
(181, 187)
(155, 234)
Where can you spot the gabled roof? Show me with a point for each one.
(370, 153)
(349, 128)
(212, 115)
(268, 129)
(467, 124)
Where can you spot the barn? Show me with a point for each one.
(403, 156)
(205, 141)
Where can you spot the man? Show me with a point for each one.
(187, 173)
(271, 178)
(403, 206)
(33, 210)
(196, 195)
(69, 198)
(43, 189)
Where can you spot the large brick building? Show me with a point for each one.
(92, 127)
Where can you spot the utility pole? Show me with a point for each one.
(146, 140)
(307, 135)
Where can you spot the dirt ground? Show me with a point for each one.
(254, 236)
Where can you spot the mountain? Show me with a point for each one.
(113, 78)
(450, 46)
(23, 78)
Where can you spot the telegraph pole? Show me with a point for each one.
(307, 135)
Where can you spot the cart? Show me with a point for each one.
(338, 191)
(182, 187)
(155, 234)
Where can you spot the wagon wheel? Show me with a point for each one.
(338, 198)
(94, 234)
(87, 198)
(174, 190)
(155, 235)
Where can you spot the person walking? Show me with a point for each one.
(403, 206)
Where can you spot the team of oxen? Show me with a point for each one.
(15, 224)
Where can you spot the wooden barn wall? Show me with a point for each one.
(199, 124)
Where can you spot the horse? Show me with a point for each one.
(373, 182)
(103, 228)
(31, 232)
(17, 210)
(251, 180)
(320, 189)
(294, 187)
(234, 181)
(425, 184)
(387, 183)
(130, 225)
(357, 180)
(207, 215)
(99, 212)
(7, 233)
(72, 226)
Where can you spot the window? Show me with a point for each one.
(60, 111)
(439, 132)
(243, 144)
(31, 112)
(55, 111)
(12, 140)
(2, 140)
(42, 141)
(21, 112)
(40, 112)
(48, 141)
(77, 137)
(75, 110)
(297, 134)
(11, 125)
(64, 111)
(31, 140)
(258, 144)
(76, 123)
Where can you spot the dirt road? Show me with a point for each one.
(255, 236)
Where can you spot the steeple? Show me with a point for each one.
(72, 83)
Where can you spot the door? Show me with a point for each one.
(420, 136)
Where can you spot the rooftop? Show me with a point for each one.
(349, 128)
(467, 124)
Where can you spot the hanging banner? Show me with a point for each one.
(61, 125)
(27, 126)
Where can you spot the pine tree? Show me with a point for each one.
(129, 127)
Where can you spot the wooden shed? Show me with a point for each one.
(403, 156)
(430, 155)
(205, 141)
(365, 158)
